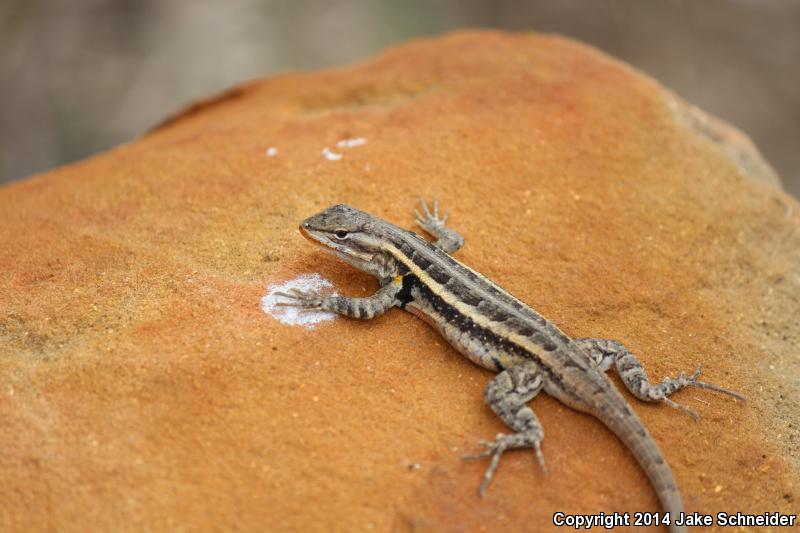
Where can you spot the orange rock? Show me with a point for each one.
(143, 388)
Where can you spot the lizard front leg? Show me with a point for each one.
(447, 239)
(508, 394)
(606, 352)
(364, 308)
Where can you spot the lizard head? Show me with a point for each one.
(349, 233)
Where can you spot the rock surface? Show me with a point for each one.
(142, 387)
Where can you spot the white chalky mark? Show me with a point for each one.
(351, 143)
(330, 156)
(295, 316)
(272, 151)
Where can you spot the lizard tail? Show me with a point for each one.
(627, 426)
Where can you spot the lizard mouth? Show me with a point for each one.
(307, 234)
(319, 240)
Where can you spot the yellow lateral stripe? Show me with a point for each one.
(462, 308)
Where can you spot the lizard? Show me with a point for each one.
(499, 332)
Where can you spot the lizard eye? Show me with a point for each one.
(340, 233)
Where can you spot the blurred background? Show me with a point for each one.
(80, 76)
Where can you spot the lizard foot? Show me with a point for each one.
(691, 381)
(496, 448)
(447, 240)
(430, 222)
(682, 381)
(311, 299)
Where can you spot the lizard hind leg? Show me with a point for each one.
(507, 395)
(606, 352)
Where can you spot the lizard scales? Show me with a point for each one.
(496, 331)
